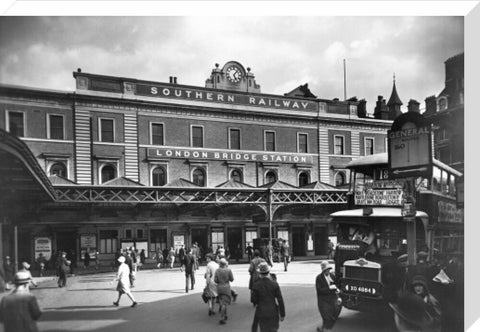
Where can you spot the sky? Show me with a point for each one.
(282, 52)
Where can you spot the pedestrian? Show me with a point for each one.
(327, 297)
(129, 262)
(189, 264)
(165, 256)
(267, 298)
(253, 268)
(9, 272)
(71, 257)
(410, 314)
(133, 254)
(211, 286)
(419, 287)
(159, 258)
(86, 259)
(123, 285)
(238, 253)
(249, 251)
(25, 267)
(181, 253)
(63, 269)
(116, 263)
(143, 257)
(97, 260)
(330, 249)
(41, 262)
(223, 278)
(269, 254)
(285, 252)
(19, 310)
(195, 254)
(171, 257)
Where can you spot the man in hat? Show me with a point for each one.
(327, 297)
(123, 285)
(265, 295)
(410, 314)
(189, 263)
(63, 269)
(26, 268)
(254, 263)
(19, 310)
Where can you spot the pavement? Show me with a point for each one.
(86, 303)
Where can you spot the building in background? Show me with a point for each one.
(114, 137)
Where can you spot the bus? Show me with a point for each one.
(372, 256)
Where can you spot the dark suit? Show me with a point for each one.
(189, 262)
(326, 301)
(265, 295)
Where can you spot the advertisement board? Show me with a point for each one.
(43, 245)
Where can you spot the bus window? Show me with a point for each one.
(437, 179)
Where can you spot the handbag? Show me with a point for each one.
(204, 295)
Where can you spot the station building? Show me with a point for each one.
(135, 162)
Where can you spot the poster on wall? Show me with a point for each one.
(178, 241)
(88, 242)
(43, 245)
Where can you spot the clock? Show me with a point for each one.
(234, 74)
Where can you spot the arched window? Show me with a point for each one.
(271, 176)
(198, 177)
(58, 169)
(108, 173)
(303, 179)
(340, 179)
(236, 175)
(159, 176)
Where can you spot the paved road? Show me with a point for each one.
(86, 304)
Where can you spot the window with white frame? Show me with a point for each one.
(250, 235)
(217, 240)
(234, 138)
(58, 168)
(198, 176)
(269, 140)
(237, 175)
(159, 176)
(16, 123)
(196, 134)
(369, 146)
(156, 133)
(108, 241)
(339, 144)
(55, 126)
(106, 130)
(108, 172)
(302, 143)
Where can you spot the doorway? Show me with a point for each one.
(200, 236)
(234, 242)
(298, 241)
(320, 240)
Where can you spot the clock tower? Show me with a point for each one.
(232, 76)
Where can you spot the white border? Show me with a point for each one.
(49, 134)
(100, 129)
(191, 135)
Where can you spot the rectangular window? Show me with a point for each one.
(302, 143)
(156, 132)
(140, 233)
(234, 139)
(108, 241)
(217, 240)
(56, 127)
(197, 137)
(106, 130)
(269, 141)
(249, 236)
(16, 124)
(128, 233)
(339, 147)
(283, 234)
(369, 142)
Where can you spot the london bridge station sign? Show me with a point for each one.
(182, 93)
(229, 155)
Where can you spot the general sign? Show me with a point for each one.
(409, 147)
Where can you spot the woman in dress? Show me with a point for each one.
(123, 278)
(223, 277)
(211, 286)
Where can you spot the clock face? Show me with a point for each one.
(234, 74)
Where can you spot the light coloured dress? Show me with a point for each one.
(123, 285)
(211, 288)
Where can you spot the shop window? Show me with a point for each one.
(159, 176)
(106, 130)
(269, 141)
(340, 179)
(158, 240)
(156, 132)
(108, 241)
(339, 144)
(217, 240)
(271, 176)
(302, 140)
(16, 124)
(108, 172)
(55, 127)
(197, 136)
(369, 146)
(303, 179)
(236, 175)
(58, 169)
(234, 138)
(250, 235)
(198, 177)
(282, 234)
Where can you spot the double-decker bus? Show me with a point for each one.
(372, 234)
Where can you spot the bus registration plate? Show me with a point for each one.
(367, 288)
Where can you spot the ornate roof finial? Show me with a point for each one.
(394, 78)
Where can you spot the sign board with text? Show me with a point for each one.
(410, 147)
